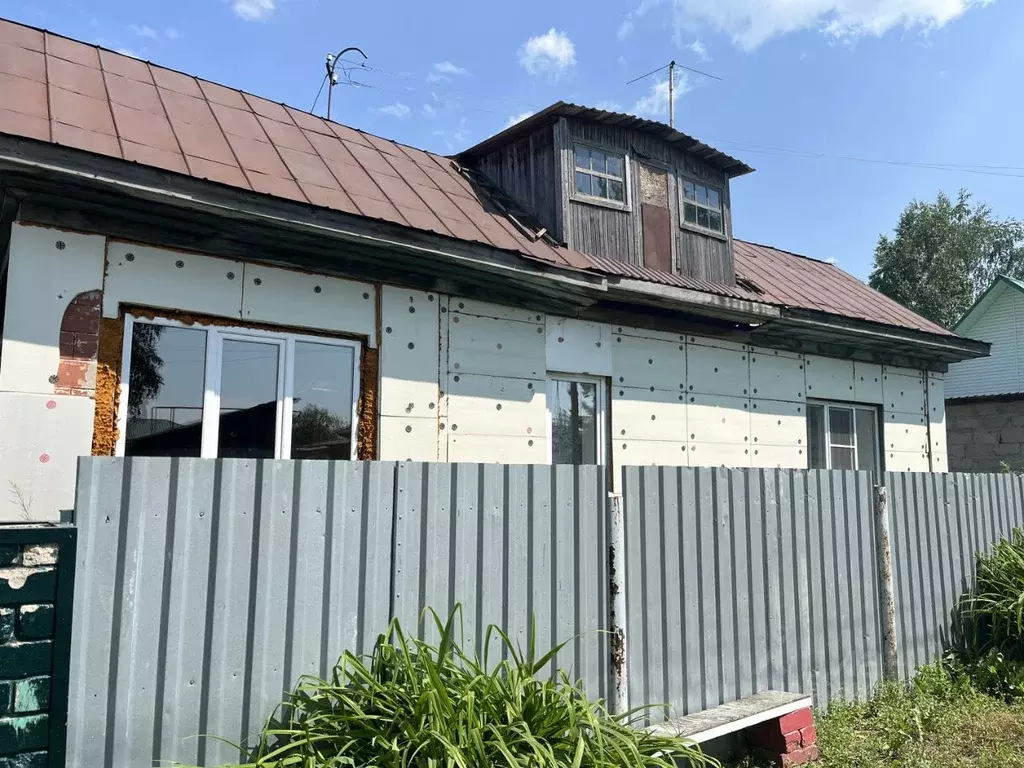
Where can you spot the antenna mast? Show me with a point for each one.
(332, 72)
(671, 94)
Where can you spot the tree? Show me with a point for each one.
(145, 378)
(944, 254)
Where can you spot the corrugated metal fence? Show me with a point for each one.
(207, 587)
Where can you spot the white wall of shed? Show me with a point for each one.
(1001, 324)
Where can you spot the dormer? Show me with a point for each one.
(619, 187)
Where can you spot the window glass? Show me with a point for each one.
(582, 157)
(842, 458)
(165, 391)
(688, 191)
(599, 186)
(690, 213)
(702, 206)
(702, 195)
(840, 425)
(867, 440)
(715, 221)
(614, 165)
(714, 201)
(702, 217)
(248, 400)
(574, 422)
(616, 191)
(598, 162)
(816, 439)
(322, 401)
(583, 183)
(600, 174)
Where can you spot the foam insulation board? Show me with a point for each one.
(647, 333)
(495, 347)
(906, 461)
(829, 378)
(643, 453)
(778, 423)
(159, 278)
(707, 341)
(43, 437)
(409, 349)
(489, 405)
(48, 268)
(639, 414)
(317, 302)
(867, 385)
(940, 462)
(903, 393)
(496, 311)
(776, 376)
(717, 371)
(494, 449)
(408, 439)
(442, 375)
(576, 346)
(778, 457)
(718, 419)
(937, 419)
(649, 364)
(719, 455)
(906, 434)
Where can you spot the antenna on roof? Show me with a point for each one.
(672, 84)
(332, 72)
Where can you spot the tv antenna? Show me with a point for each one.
(671, 66)
(332, 72)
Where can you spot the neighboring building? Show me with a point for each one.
(195, 271)
(985, 397)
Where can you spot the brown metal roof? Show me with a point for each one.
(730, 165)
(791, 280)
(66, 92)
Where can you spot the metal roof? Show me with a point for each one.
(69, 93)
(730, 165)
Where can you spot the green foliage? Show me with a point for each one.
(944, 254)
(423, 705)
(995, 675)
(992, 612)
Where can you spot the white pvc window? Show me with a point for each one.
(216, 392)
(577, 417)
(842, 436)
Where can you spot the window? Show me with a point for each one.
(210, 391)
(702, 206)
(576, 414)
(842, 436)
(600, 174)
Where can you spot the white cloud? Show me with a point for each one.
(655, 103)
(699, 49)
(750, 23)
(626, 27)
(171, 33)
(128, 52)
(609, 106)
(144, 31)
(429, 111)
(253, 10)
(517, 118)
(398, 109)
(447, 68)
(433, 77)
(830, 260)
(552, 53)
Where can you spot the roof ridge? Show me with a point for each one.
(193, 75)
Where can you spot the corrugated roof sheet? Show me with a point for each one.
(70, 93)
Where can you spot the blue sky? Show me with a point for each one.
(908, 81)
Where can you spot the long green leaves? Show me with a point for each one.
(413, 704)
(993, 611)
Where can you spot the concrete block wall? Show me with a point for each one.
(28, 591)
(985, 435)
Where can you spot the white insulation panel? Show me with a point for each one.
(496, 311)
(303, 300)
(906, 434)
(778, 457)
(494, 449)
(776, 375)
(43, 437)
(717, 371)
(867, 385)
(495, 347)
(409, 351)
(649, 364)
(576, 346)
(47, 269)
(639, 414)
(717, 419)
(907, 461)
(719, 455)
(408, 439)
(489, 405)
(830, 379)
(643, 453)
(183, 282)
(903, 393)
(777, 423)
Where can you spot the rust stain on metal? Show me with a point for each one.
(368, 402)
(108, 386)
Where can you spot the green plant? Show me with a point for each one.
(420, 705)
(993, 611)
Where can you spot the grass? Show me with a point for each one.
(940, 721)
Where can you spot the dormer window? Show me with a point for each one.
(702, 207)
(600, 174)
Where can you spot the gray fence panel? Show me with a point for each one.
(740, 581)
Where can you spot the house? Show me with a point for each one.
(194, 271)
(985, 397)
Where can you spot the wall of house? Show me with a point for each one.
(1001, 324)
(526, 170)
(617, 233)
(459, 380)
(986, 435)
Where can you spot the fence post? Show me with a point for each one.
(887, 588)
(619, 700)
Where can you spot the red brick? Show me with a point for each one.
(76, 374)
(794, 721)
(808, 736)
(767, 736)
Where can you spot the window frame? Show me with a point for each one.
(829, 444)
(580, 197)
(601, 404)
(681, 180)
(212, 379)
